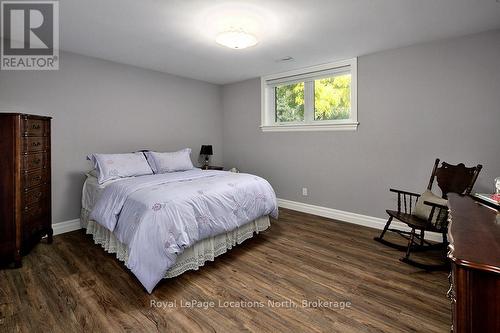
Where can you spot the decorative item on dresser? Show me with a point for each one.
(25, 193)
(488, 199)
(474, 251)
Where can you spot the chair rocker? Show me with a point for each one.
(450, 179)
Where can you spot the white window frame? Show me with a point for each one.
(308, 75)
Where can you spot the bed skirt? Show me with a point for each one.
(192, 258)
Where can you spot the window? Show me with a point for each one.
(316, 98)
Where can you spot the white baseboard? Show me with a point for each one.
(66, 226)
(364, 220)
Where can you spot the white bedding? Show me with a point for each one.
(159, 216)
(92, 191)
(193, 257)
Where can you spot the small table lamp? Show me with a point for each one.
(207, 151)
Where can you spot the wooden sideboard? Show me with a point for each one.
(474, 251)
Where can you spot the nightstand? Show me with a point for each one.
(212, 167)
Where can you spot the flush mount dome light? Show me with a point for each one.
(236, 39)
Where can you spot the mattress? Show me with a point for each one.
(192, 258)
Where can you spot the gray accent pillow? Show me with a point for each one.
(423, 211)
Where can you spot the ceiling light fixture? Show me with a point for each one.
(236, 39)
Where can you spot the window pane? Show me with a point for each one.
(289, 102)
(332, 98)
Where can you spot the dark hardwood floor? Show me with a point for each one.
(73, 285)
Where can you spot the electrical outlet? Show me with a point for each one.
(304, 191)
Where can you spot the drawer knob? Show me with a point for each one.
(35, 126)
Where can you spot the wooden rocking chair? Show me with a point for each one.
(450, 179)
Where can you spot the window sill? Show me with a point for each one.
(310, 127)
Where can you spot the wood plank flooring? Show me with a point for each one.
(73, 285)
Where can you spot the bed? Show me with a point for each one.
(162, 225)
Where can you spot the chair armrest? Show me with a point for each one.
(441, 220)
(406, 200)
(404, 192)
(432, 204)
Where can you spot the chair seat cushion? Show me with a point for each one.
(423, 211)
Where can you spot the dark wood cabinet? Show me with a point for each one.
(25, 187)
(474, 251)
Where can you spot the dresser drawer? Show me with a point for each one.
(34, 178)
(34, 161)
(35, 144)
(34, 213)
(34, 196)
(34, 127)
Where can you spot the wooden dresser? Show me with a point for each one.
(474, 251)
(25, 193)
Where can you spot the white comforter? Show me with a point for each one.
(158, 216)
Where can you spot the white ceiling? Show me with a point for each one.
(177, 36)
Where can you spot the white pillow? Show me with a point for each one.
(114, 166)
(423, 211)
(170, 162)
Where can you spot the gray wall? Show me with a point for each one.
(414, 104)
(101, 106)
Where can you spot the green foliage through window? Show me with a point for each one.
(332, 98)
(289, 102)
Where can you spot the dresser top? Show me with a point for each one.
(24, 115)
(474, 234)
